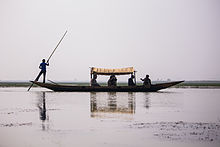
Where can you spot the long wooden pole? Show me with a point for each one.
(51, 55)
(56, 47)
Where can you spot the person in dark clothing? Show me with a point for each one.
(131, 81)
(43, 70)
(93, 81)
(112, 81)
(147, 81)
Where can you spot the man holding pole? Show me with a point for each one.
(44, 64)
(43, 70)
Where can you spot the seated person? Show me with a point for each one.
(147, 81)
(93, 81)
(112, 81)
(131, 81)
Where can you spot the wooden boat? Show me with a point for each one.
(67, 88)
(103, 71)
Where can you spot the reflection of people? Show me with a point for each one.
(112, 81)
(42, 109)
(147, 81)
(111, 104)
(43, 70)
(130, 81)
(93, 81)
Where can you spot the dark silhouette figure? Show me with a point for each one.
(43, 111)
(112, 81)
(42, 108)
(43, 70)
(131, 81)
(147, 81)
(93, 81)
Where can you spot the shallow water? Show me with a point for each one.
(171, 117)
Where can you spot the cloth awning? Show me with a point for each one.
(120, 71)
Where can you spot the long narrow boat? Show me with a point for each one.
(107, 72)
(67, 88)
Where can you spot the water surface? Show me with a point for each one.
(171, 117)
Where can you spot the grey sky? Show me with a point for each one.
(176, 39)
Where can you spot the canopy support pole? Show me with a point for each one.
(90, 75)
(135, 78)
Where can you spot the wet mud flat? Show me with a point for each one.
(182, 131)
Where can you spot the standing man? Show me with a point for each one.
(43, 70)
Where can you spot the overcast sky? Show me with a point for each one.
(176, 39)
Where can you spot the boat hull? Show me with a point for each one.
(67, 88)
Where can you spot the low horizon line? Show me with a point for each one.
(65, 81)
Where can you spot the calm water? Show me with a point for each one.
(171, 117)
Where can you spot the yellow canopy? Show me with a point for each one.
(104, 71)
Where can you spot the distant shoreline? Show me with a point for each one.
(186, 84)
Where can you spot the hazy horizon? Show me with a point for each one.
(177, 40)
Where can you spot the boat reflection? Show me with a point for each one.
(42, 111)
(112, 104)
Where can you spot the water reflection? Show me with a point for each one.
(147, 101)
(42, 110)
(111, 103)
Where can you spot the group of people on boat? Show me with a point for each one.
(111, 82)
(147, 81)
